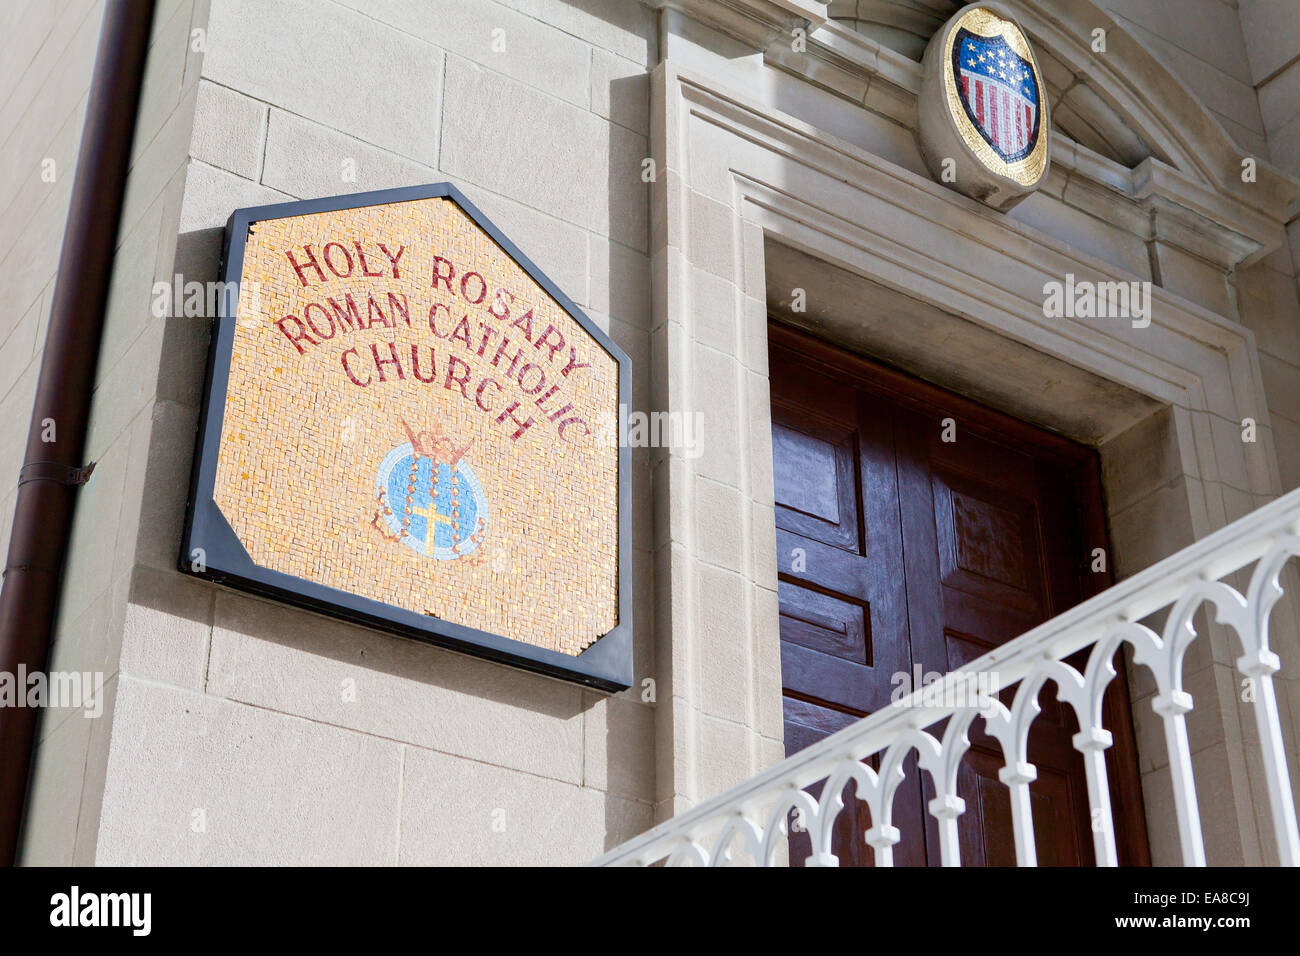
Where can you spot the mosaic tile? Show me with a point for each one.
(411, 418)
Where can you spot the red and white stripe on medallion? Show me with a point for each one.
(1001, 112)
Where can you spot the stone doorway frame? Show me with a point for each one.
(741, 187)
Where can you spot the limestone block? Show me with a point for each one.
(619, 744)
(197, 780)
(307, 159)
(337, 673)
(18, 350)
(558, 248)
(459, 813)
(1288, 450)
(229, 130)
(212, 194)
(722, 757)
(719, 524)
(1144, 533)
(332, 65)
(1279, 98)
(620, 91)
(722, 644)
(627, 29)
(716, 395)
(1268, 305)
(1140, 460)
(164, 72)
(592, 172)
(713, 307)
(1272, 33)
(1193, 278)
(168, 628)
(1281, 385)
(50, 829)
(522, 47)
(619, 281)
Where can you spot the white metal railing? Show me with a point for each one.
(754, 816)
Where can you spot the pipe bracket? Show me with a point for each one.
(55, 471)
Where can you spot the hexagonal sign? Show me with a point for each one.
(409, 426)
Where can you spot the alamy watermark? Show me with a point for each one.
(82, 690)
(194, 299)
(131, 911)
(956, 690)
(1084, 299)
(680, 431)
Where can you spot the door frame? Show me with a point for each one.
(742, 184)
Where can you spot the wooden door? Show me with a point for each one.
(916, 531)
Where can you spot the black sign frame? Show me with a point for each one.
(606, 664)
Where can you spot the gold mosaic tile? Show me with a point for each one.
(1029, 169)
(411, 418)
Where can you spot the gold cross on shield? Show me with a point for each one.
(431, 515)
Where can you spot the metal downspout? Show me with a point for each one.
(52, 470)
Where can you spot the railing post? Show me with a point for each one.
(1018, 777)
(1260, 667)
(882, 839)
(1172, 708)
(1260, 663)
(1092, 744)
(946, 810)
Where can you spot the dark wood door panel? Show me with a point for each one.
(805, 724)
(986, 622)
(815, 472)
(813, 389)
(809, 561)
(814, 676)
(920, 554)
(989, 542)
(826, 623)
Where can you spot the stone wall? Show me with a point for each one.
(56, 44)
(239, 730)
(1267, 295)
(232, 741)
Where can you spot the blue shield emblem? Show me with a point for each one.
(435, 507)
(999, 92)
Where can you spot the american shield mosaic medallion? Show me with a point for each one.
(408, 425)
(998, 91)
(983, 118)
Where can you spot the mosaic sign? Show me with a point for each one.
(983, 108)
(410, 426)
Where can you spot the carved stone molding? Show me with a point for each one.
(1183, 185)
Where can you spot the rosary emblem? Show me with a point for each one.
(429, 498)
